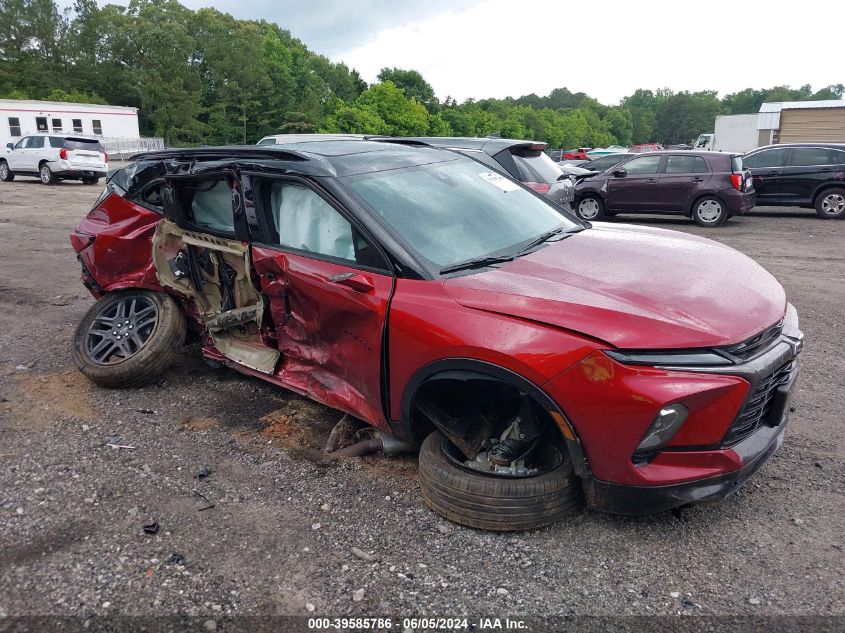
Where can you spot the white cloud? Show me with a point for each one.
(609, 49)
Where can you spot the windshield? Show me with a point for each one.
(458, 210)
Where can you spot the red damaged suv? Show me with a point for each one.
(533, 359)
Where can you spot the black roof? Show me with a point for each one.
(317, 158)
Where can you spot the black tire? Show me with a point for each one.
(495, 503)
(147, 361)
(46, 174)
(590, 208)
(830, 204)
(6, 174)
(90, 181)
(709, 211)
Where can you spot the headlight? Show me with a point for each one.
(670, 358)
(663, 429)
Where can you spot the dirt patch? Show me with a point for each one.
(197, 423)
(301, 426)
(37, 400)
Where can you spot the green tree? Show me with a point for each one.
(413, 85)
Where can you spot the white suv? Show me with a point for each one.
(52, 158)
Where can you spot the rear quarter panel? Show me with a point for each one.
(121, 254)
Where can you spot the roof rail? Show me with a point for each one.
(398, 140)
(238, 151)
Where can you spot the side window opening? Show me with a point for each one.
(57, 125)
(97, 126)
(642, 166)
(211, 205)
(14, 126)
(306, 222)
(77, 126)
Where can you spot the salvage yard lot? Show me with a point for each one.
(284, 523)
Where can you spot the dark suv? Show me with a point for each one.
(525, 161)
(709, 186)
(800, 175)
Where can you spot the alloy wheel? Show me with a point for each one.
(121, 330)
(833, 204)
(4, 171)
(709, 211)
(46, 175)
(588, 208)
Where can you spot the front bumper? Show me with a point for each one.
(754, 451)
(734, 429)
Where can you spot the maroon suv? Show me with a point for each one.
(708, 186)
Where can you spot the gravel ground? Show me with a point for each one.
(279, 538)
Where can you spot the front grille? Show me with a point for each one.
(757, 409)
(757, 343)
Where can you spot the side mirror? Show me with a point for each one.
(10, 145)
(620, 173)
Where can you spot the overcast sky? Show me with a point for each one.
(608, 49)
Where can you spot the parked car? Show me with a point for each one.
(642, 148)
(52, 158)
(579, 153)
(604, 151)
(525, 161)
(574, 172)
(810, 175)
(446, 306)
(708, 186)
(683, 146)
(604, 163)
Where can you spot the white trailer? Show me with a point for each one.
(732, 133)
(23, 117)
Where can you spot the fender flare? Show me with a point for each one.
(473, 369)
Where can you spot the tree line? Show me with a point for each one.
(204, 77)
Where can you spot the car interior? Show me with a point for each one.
(213, 271)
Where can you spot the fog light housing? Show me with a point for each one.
(665, 425)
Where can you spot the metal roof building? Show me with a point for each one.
(803, 121)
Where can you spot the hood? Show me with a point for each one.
(633, 287)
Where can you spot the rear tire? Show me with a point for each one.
(709, 211)
(6, 174)
(830, 204)
(140, 356)
(495, 503)
(590, 208)
(46, 174)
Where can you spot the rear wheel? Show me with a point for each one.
(830, 204)
(590, 208)
(709, 211)
(491, 502)
(127, 339)
(46, 174)
(6, 174)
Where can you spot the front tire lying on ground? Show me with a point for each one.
(129, 338)
(491, 502)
